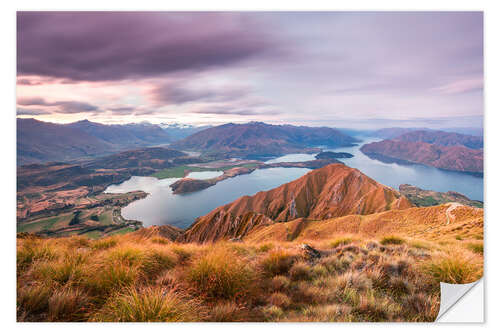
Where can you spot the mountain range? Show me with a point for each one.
(39, 141)
(443, 150)
(260, 140)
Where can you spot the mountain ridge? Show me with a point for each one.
(332, 191)
(260, 139)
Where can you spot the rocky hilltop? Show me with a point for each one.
(332, 191)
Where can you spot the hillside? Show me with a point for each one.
(334, 190)
(442, 138)
(260, 140)
(129, 135)
(39, 141)
(45, 191)
(424, 198)
(381, 267)
(455, 158)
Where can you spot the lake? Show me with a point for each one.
(163, 207)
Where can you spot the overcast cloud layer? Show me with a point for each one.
(328, 68)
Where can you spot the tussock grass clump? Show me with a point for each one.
(33, 300)
(279, 299)
(215, 276)
(328, 313)
(67, 305)
(419, 307)
(392, 240)
(455, 268)
(155, 261)
(265, 247)
(64, 271)
(148, 305)
(476, 247)
(273, 313)
(103, 280)
(277, 262)
(160, 240)
(300, 271)
(104, 243)
(341, 241)
(33, 250)
(334, 264)
(228, 312)
(279, 282)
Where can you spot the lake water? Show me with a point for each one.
(163, 207)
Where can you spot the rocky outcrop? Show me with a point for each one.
(332, 191)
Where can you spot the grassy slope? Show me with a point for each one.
(365, 276)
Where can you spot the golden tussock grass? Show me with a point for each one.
(124, 279)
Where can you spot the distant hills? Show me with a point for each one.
(260, 140)
(39, 141)
(393, 132)
(178, 131)
(443, 150)
(332, 191)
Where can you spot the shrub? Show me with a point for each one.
(392, 240)
(217, 277)
(277, 262)
(150, 304)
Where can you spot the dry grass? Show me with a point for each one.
(125, 279)
(216, 277)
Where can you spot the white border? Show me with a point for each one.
(492, 86)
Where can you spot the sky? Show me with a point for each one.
(339, 69)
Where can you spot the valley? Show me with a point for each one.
(311, 237)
